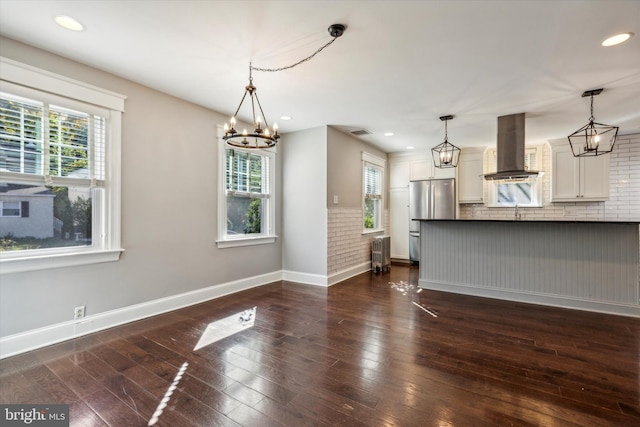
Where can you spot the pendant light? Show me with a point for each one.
(261, 135)
(445, 155)
(593, 139)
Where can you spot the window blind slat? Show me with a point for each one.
(67, 144)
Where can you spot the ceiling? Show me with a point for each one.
(399, 66)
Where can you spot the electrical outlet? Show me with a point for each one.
(78, 312)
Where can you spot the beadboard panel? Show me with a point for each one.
(594, 262)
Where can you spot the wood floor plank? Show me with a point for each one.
(360, 353)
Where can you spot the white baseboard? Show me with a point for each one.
(306, 278)
(543, 299)
(349, 272)
(19, 343)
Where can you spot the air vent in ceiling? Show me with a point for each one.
(360, 132)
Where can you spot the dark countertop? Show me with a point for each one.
(535, 220)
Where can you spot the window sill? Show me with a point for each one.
(45, 262)
(372, 231)
(246, 241)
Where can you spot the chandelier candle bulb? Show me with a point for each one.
(592, 143)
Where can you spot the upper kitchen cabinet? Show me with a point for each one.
(425, 169)
(470, 180)
(404, 167)
(577, 179)
(399, 173)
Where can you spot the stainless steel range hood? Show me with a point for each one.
(510, 150)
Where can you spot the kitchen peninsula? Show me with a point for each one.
(588, 265)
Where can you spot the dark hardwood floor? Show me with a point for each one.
(360, 353)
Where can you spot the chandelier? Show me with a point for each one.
(445, 154)
(593, 139)
(261, 135)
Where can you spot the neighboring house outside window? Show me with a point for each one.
(372, 183)
(246, 202)
(59, 171)
(27, 212)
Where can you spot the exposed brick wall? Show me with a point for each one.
(346, 245)
(624, 197)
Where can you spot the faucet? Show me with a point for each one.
(517, 215)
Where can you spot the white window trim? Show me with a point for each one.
(380, 163)
(29, 78)
(537, 181)
(241, 239)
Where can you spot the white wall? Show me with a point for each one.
(169, 213)
(304, 212)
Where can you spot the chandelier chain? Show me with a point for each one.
(591, 118)
(251, 67)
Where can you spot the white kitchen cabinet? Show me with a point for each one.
(470, 180)
(578, 179)
(425, 169)
(399, 174)
(399, 220)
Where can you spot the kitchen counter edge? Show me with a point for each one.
(529, 220)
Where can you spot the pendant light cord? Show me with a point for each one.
(251, 67)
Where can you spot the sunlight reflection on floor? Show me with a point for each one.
(226, 327)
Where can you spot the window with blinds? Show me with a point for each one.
(52, 159)
(65, 144)
(247, 190)
(60, 150)
(373, 173)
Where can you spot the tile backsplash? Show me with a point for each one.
(624, 194)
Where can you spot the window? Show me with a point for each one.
(10, 209)
(59, 171)
(246, 202)
(523, 193)
(373, 174)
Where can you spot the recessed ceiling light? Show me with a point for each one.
(285, 118)
(388, 134)
(68, 22)
(410, 148)
(617, 39)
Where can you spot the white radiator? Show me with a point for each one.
(381, 253)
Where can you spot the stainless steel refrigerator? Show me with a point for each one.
(429, 199)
